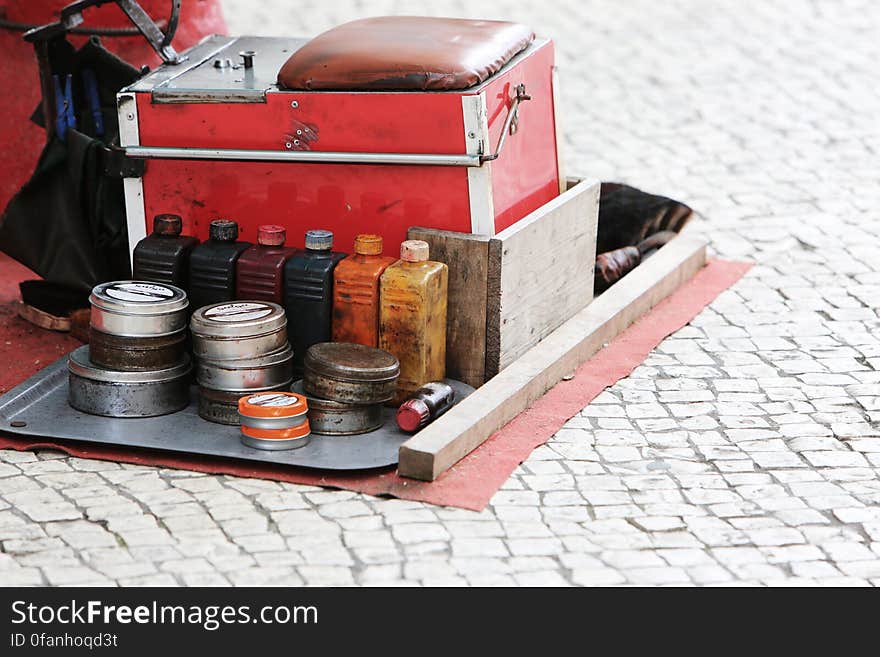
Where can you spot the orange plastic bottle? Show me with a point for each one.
(412, 317)
(356, 292)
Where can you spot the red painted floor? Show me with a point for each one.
(24, 348)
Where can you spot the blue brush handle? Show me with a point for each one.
(91, 85)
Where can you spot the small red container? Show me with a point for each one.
(260, 269)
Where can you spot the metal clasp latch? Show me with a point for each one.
(511, 124)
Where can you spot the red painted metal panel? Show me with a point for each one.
(348, 122)
(351, 199)
(526, 175)
(347, 199)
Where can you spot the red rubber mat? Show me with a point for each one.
(472, 482)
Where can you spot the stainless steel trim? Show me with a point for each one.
(133, 188)
(241, 154)
(476, 133)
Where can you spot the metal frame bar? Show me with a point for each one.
(236, 154)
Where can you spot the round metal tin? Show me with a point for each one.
(350, 373)
(332, 418)
(276, 444)
(238, 330)
(113, 393)
(123, 353)
(221, 407)
(270, 372)
(273, 410)
(138, 309)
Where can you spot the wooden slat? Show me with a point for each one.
(467, 258)
(540, 274)
(454, 435)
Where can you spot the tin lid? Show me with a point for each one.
(79, 364)
(412, 415)
(238, 319)
(319, 240)
(138, 298)
(344, 361)
(271, 235)
(272, 405)
(414, 251)
(368, 244)
(223, 230)
(170, 225)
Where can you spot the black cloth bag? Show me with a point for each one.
(67, 223)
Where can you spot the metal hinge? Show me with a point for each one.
(117, 164)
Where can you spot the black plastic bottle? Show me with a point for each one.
(212, 265)
(163, 256)
(308, 294)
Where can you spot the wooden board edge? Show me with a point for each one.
(439, 446)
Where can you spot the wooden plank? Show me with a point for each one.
(454, 435)
(467, 258)
(540, 274)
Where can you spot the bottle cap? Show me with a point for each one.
(414, 251)
(412, 415)
(167, 224)
(368, 244)
(271, 235)
(223, 230)
(319, 240)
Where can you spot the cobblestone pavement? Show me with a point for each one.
(746, 450)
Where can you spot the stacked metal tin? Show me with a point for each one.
(274, 421)
(136, 363)
(240, 348)
(346, 386)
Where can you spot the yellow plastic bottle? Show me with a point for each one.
(412, 317)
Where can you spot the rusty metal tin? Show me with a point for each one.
(238, 330)
(332, 418)
(350, 373)
(270, 371)
(113, 393)
(140, 354)
(221, 407)
(138, 309)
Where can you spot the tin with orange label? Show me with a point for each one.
(274, 421)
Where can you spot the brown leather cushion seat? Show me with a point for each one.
(404, 53)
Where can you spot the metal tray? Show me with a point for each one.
(38, 408)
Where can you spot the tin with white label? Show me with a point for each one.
(138, 309)
(238, 330)
(274, 421)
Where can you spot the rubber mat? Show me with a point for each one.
(472, 482)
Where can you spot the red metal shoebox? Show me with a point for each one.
(222, 140)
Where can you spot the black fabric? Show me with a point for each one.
(67, 223)
(628, 215)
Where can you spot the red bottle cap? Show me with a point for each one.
(412, 415)
(271, 235)
(167, 224)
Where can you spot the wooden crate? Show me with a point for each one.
(510, 291)
(437, 447)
